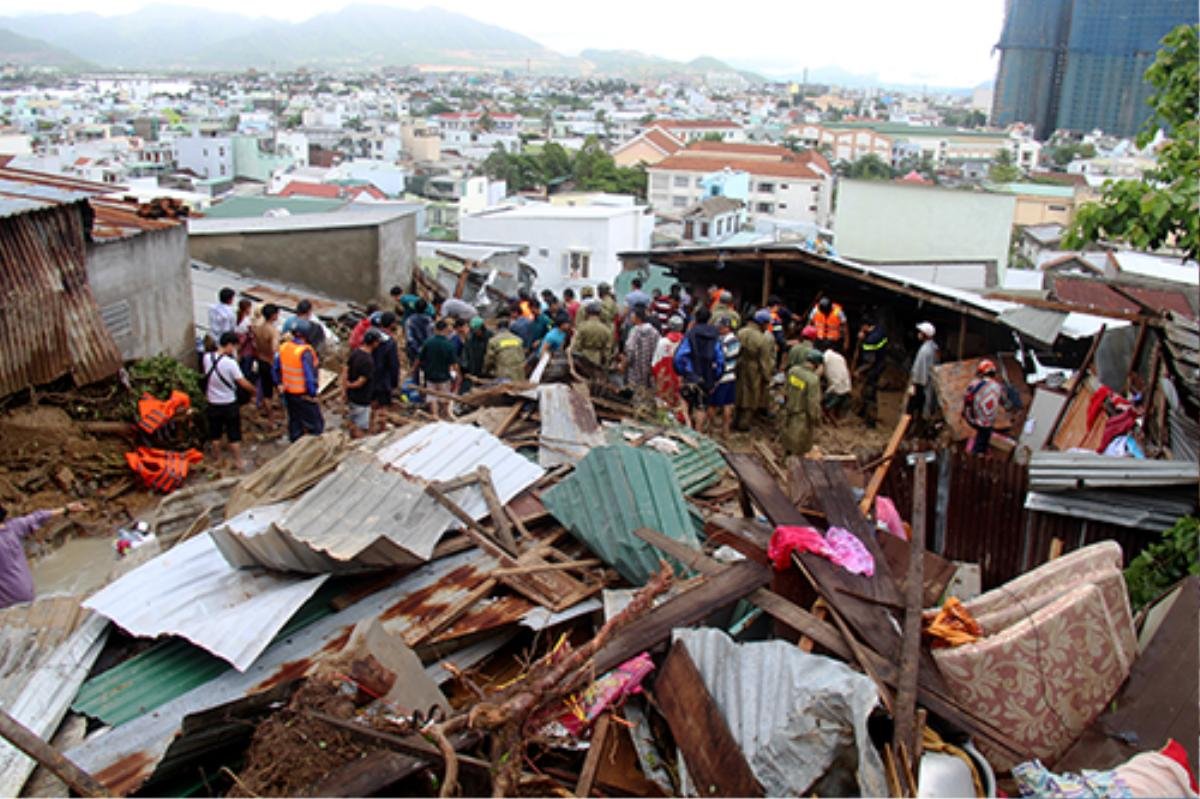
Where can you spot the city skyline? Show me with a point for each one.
(928, 43)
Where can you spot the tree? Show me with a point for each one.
(712, 135)
(1003, 170)
(1163, 208)
(870, 167)
(554, 161)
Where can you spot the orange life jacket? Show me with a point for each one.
(162, 470)
(828, 325)
(291, 366)
(153, 413)
(527, 309)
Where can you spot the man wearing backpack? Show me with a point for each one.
(222, 378)
(981, 402)
(700, 362)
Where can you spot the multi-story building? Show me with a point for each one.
(845, 144)
(1078, 65)
(944, 145)
(690, 130)
(648, 147)
(206, 156)
(782, 183)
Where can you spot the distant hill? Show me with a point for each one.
(637, 65)
(27, 51)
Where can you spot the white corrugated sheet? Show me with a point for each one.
(1059, 471)
(569, 426)
(193, 592)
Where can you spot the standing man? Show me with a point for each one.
(700, 363)
(570, 303)
(920, 388)
(418, 327)
(798, 354)
(16, 581)
(636, 296)
(474, 353)
(756, 364)
(830, 321)
(221, 314)
(555, 341)
(662, 308)
(781, 320)
(295, 372)
(316, 330)
(458, 309)
(505, 356)
(594, 339)
(356, 383)
(639, 352)
(724, 307)
(802, 405)
(837, 384)
(608, 304)
(385, 365)
(981, 404)
(223, 378)
(439, 366)
(725, 393)
(872, 361)
(266, 344)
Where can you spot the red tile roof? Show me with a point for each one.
(1099, 295)
(739, 148)
(694, 123)
(682, 162)
(297, 188)
(663, 141)
(368, 189)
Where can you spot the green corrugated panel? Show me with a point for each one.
(614, 491)
(696, 469)
(171, 668)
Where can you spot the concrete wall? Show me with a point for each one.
(882, 221)
(143, 286)
(352, 263)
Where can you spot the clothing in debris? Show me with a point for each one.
(505, 357)
(951, 625)
(639, 350)
(594, 341)
(801, 410)
(16, 581)
(837, 545)
(756, 362)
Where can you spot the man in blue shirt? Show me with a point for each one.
(556, 340)
(637, 297)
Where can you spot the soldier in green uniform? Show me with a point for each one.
(798, 354)
(593, 339)
(505, 357)
(608, 304)
(724, 308)
(756, 364)
(802, 404)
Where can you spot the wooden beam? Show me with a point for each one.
(28, 742)
(1069, 307)
(1076, 383)
(766, 283)
(591, 763)
(910, 643)
(714, 759)
(885, 463)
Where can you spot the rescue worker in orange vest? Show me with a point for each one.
(526, 305)
(296, 375)
(830, 321)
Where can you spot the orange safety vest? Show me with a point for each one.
(714, 298)
(153, 413)
(527, 309)
(776, 321)
(162, 470)
(291, 366)
(828, 325)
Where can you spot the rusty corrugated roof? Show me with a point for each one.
(1100, 296)
(49, 322)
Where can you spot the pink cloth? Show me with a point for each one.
(838, 545)
(885, 511)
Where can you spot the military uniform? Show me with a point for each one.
(801, 410)
(608, 309)
(505, 357)
(756, 362)
(722, 310)
(594, 341)
(798, 354)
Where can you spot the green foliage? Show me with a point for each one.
(964, 118)
(161, 375)
(591, 169)
(1164, 207)
(1165, 563)
(712, 135)
(870, 167)
(1066, 152)
(1003, 170)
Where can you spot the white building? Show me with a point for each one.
(568, 245)
(207, 156)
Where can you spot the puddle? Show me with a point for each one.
(79, 566)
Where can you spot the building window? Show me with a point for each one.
(783, 187)
(682, 181)
(704, 229)
(544, 253)
(221, 152)
(1057, 207)
(766, 188)
(580, 265)
(782, 206)
(764, 208)
(205, 151)
(698, 180)
(679, 202)
(812, 208)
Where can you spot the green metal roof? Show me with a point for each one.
(244, 207)
(172, 667)
(696, 468)
(614, 491)
(896, 129)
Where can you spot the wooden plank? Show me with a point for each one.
(910, 645)
(1079, 379)
(500, 520)
(936, 571)
(717, 591)
(715, 762)
(66, 770)
(889, 454)
(368, 775)
(591, 763)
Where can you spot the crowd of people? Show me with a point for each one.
(692, 353)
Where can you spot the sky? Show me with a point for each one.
(932, 42)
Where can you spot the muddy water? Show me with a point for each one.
(79, 566)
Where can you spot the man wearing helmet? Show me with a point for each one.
(980, 405)
(295, 372)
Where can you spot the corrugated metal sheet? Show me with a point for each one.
(569, 425)
(789, 711)
(1058, 471)
(124, 757)
(444, 451)
(1127, 509)
(29, 634)
(614, 491)
(193, 592)
(696, 460)
(1039, 324)
(1098, 295)
(43, 268)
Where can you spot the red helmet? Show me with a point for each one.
(985, 367)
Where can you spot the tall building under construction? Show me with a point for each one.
(1077, 64)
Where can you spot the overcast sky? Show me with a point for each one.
(936, 42)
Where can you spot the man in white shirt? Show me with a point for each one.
(222, 317)
(224, 377)
(837, 384)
